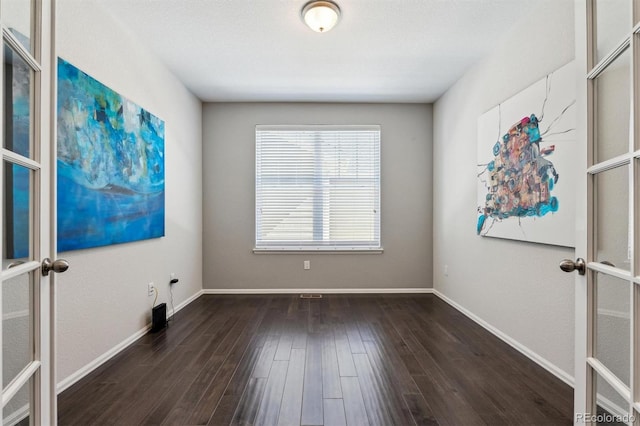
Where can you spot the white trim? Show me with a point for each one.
(611, 407)
(610, 270)
(27, 56)
(19, 381)
(318, 250)
(614, 314)
(185, 303)
(610, 164)
(82, 372)
(318, 127)
(17, 416)
(20, 269)
(17, 314)
(417, 290)
(618, 385)
(18, 159)
(607, 60)
(544, 363)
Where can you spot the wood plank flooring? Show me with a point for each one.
(340, 360)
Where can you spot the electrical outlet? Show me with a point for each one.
(172, 276)
(307, 264)
(446, 270)
(150, 289)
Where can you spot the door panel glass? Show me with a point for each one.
(613, 23)
(16, 16)
(612, 101)
(19, 409)
(613, 325)
(17, 107)
(612, 217)
(612, 408)
(16, 214)
(17, 347)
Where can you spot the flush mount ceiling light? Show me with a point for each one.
(320, 15)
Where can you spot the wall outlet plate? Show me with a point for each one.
(307, 264)
(150, 289)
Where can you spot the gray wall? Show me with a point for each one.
(229, 200)
(515, 287)
(102, 299)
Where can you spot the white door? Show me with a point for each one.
(26, 296)
(607, 369)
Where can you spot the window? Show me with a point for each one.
(318, 188)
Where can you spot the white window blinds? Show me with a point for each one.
(318, 187)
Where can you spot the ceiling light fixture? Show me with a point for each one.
(321, 15)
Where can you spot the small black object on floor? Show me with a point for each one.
(158, 317)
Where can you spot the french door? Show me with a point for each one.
(26, 297)
(607, 373)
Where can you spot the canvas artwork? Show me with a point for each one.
(110, 165)
(525, 156)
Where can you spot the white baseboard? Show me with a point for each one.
(82, 372)
(611, 407)
(543, 362)
(316, 290)
(17, 416)
(73, 378)
(185, 303)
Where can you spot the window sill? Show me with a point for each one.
(317, 251)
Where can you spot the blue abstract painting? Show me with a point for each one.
(110, 165)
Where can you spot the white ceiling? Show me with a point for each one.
(260, 50)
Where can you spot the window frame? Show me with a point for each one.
(329, 248)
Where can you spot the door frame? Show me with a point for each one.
(42, 239)
(582, 381)
(587, 366)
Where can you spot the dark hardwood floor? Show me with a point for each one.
(340, 360)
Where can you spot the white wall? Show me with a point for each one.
(229, 200)
(515, 287)
(102, 299)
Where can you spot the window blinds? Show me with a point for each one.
(317, 187)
